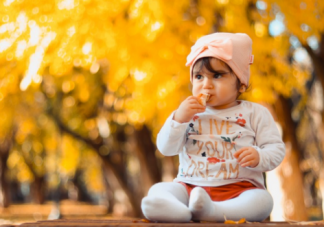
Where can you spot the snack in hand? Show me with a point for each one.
(203, 98)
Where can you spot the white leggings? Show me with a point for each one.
(170, 202)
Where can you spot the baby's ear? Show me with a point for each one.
(242, 88)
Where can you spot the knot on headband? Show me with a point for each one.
(221, 48)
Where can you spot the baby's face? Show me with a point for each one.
(221, 84)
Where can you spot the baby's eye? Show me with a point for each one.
(198, 77)
(217, 75)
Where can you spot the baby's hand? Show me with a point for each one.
(187, 109)
(247, 156)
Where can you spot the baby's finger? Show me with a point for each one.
(200, 110)
(246, 164)
(238, 153)
(193, 98)
(197, 107)
(246, 158)
(242, 155)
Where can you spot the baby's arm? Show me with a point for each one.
(171, 138)
(269, 150)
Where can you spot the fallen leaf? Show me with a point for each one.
(235, 222)
(145, 220)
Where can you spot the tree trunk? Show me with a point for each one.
(5, 146)
(118, 183)
(38, 189)
(288, 171)
(4, 190)
(318, 65)
(149, 165)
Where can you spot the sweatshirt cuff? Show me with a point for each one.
(175, 126)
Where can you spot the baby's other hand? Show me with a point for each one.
(187, 109)
(247, 156)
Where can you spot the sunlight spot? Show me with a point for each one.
(25, 82)
(86, 49)
(103, 127)
(135, 12)
(276, 27)
(94, 67)
(5, 18)
(162, 92)
(139, 75)
(31, 23)
(35, 34)
(43, 19)
(3, 28)
(35, 10)
(69, 101)
(294, 41)
(301, 55)
(200, 21)
(121, 119)
(22, 22)
(156, 26)
(134, 116)
(8, 2)
(66, 4)
(134, 165)
(313, 42)
(9, 56)
(4, 44)
(71, 31)
(305, 27)
(222, 1)
(260, 29)
(68, 86)
(21, 47)
(35, 62)
(261, 5)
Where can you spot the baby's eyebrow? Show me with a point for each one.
(220, 71)
(196, 72)
(212, 72)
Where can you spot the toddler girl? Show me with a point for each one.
(223, 147)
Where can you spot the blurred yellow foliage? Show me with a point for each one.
(140, 47)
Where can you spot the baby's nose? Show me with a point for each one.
(208, 84)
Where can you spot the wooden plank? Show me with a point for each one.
(144, 223)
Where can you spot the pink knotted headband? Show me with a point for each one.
(221, 49)
(235, 49)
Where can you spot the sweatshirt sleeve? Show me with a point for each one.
(268, 141)
(171, 138)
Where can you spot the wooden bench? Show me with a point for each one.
(145, 223)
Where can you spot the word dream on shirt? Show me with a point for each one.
(219, 162)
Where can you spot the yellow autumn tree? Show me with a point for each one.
(111, 69)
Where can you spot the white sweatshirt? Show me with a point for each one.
(206, 145)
